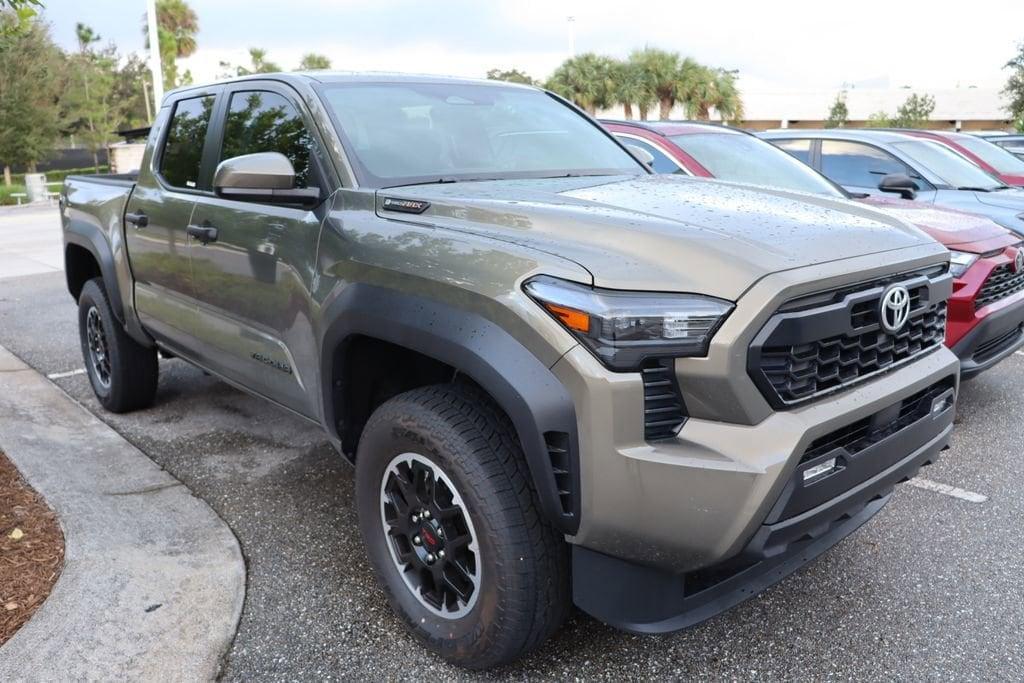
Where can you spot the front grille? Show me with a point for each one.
(868, 431)
(806, 352)
(1001, 283)
(664, 413)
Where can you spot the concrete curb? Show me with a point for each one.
(153, 580)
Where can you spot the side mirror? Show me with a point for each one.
(641, 154)
(900, 183)
(266, 177)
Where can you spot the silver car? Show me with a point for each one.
(878, 162)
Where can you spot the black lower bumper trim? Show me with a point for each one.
(642, 599)
(976, 351)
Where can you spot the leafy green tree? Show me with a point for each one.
(131, 88)
(21, 11)
(91, 108)
(631, 87)
(1014, 90)
(314, 62)
(666, 74)
(587, 80)
(176, 26)
(510, 76)
(914, 112)
(705, 88)
(258, 64)
(31, 84)
(839, 114)
(879, 119)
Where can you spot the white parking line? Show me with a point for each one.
(946, 490)
(70, 373)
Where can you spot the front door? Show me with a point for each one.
(157, 216)
(253, 283)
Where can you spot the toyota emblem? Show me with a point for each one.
(895, 309)
(1018, 261)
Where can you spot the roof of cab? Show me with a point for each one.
(862, 134)
(350, 77)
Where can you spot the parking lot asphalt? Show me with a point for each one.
(931, 588)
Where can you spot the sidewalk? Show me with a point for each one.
(153, 579)
(30, 240)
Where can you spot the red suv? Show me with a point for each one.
(986, 313)
(982, 153)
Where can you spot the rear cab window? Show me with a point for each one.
(182, 153)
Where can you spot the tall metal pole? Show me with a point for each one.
(154, 54)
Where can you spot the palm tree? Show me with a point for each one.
(587, 79)
(708, 89)
(177, 26)
(661, 72)
(314, 62)
(631, 88)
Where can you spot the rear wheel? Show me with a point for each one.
(122, 372)
(452, 527)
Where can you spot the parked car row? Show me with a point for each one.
(562, 378)
(986, 312)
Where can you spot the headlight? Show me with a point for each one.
(624, 328)
(960, 261)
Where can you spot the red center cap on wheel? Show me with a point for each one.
(429, 537)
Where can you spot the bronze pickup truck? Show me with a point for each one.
(560, 378)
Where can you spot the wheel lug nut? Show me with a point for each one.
(415, 518)
(440, 533)
(440, 554)
(426, 514)
(417, 540)
(430, 558)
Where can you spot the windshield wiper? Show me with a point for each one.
(978, 189)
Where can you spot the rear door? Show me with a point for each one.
(158, 213)
(253, 284)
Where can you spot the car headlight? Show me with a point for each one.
(624, 328)
(960, 261)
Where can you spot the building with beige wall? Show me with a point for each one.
(968, 109)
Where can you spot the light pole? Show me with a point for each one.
(154, 54)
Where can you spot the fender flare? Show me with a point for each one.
(90, 238)
(540, 407)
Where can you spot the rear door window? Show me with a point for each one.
(263, 121)
(183, 149)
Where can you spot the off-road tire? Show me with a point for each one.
(524, 586)
(131, 369)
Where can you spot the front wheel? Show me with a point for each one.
(122, 372)
(452, 527)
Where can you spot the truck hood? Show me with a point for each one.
(958, 230)
(664, 233)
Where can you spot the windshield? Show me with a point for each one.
(746, 159)
(951, 168)
(993, 155)
(404, 133)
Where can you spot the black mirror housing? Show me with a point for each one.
(899, 183)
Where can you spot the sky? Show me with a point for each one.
(774, 45)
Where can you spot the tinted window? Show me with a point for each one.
(799, 149)
(260, 121)
(745, 159)
(662, 163)
(860, 165)
(400, 133)
(183, 150)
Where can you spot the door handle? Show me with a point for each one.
(204, 233)
(139, 220)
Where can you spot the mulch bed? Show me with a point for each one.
(31, 550)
